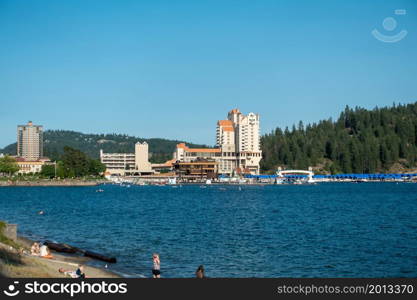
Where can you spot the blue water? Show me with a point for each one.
(325, 230)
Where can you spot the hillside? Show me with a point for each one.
(55, 140)
(359, 141)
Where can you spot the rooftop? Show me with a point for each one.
(226, 123)
(234, 111)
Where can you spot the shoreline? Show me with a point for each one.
(14, 264)
(47, 183)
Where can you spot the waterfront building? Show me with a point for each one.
(31, 166)
(186, 154)
(237, 151)
(117, 163)
(30, 141)
(163, 167)
(122, 164)
(206, 168)
(237, 146)
(246, 148)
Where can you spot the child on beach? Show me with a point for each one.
(156, 269)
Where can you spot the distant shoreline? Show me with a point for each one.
(64, 183)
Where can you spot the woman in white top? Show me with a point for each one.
(44, 252)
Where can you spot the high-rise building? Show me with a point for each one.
(238, 145)
(30, 141)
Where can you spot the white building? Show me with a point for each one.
(247, 140)
(117, 163)
(27, 166)
(122, 164)
(142, 163)
(30, 141)
(238, 145)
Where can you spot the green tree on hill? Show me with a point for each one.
(359, 141)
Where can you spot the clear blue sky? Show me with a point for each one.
(171, 69)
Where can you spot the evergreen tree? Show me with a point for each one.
(359, 141)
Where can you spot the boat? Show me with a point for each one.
(208, 181)
(172, 181)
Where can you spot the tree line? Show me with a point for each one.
(55, 140)
(72, 163)
(359, 141)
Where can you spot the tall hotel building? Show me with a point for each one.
(238, 137)
(238, 145)
(30, 141)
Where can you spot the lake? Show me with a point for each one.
(323, 230)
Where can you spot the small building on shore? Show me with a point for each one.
(31, 166)
(200, 168)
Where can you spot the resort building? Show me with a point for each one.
(30, 141)
(237, 151)
(238, 146)
(28, 166)
(122, 164)
(246, 149)
(117, 163)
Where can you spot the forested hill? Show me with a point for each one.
(359, 141)
(55, 140)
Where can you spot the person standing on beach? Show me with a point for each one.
(200, 272)
(156, 269)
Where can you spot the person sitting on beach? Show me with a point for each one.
(35, 250)
(156, 269)
(79, 273)
(45, 253)
(200, 272)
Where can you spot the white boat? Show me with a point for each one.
(311, 181)
(208, 181)
(172, 181)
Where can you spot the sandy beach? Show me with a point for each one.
(15, 264)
